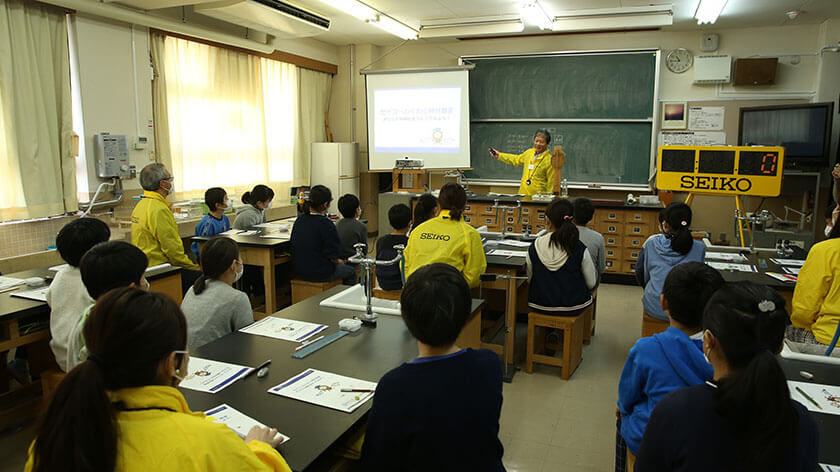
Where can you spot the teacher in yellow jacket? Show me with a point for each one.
(447, 238)
(537, 169)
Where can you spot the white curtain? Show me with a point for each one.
(230, 119)
(38, 169)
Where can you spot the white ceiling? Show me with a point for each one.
(346, 29)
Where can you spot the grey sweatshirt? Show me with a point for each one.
(248, 216)
(219, 310)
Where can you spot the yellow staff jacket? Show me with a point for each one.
(164, 435)
(154, 231)
(541, 176)
(442, 239)
(816, 298)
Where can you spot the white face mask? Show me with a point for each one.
(171, 190)
(238, 273)
(228, 204)
(269, 205)
(828, 229)
(144, 284)
(182, 369)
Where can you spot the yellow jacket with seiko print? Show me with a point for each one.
(162, 434)
(154, 231)
(442, 239)
(541, 176)
(816, 298)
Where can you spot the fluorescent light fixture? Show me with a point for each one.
(600, 19)
(353, 8)
(386, 23)
(533, 13)
(708, 11)
(472, 28)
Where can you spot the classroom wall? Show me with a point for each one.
(803, 75)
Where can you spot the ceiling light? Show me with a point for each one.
(472, 28)
(601, 19)
(708, 11)
(534, 13)
(386, 23)
(353, 8)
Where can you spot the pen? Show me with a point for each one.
(11, 289)
(259, 367)
(308, 343)
(366, 390)
(808, 398)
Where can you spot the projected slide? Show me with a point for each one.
(418, 120)
(419, 115)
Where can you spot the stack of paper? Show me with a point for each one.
(37, 294)
(726, 256)
(731, 266)
(281, 328)
(9, 282)
(782, 277)
(791, 270)
(514, 243)
(788, 262)
(324, 389)
(240, 423)
(506, 253)
(204, 375)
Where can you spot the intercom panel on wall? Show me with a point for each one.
(112, 155)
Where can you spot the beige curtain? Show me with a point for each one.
(38, 170)
(223, 118)
(314, 89)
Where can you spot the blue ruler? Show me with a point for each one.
(319, 344)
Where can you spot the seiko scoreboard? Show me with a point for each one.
(725, 170)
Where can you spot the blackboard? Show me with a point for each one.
(598, 106)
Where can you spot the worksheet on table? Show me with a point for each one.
(239, 422)
(818, 398)
(726, 256)
(204, 375)
(324, 389)
(281, 328)
(731, 266)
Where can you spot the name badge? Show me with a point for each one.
(531, 167)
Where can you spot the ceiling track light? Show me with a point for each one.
(708, 11)
(372, 16)
(532, 12)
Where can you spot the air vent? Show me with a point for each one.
(274, 17)
(300, 13)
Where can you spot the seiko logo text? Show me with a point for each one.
(731, 184)
(441, 237)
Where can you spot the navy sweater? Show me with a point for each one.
(314, 242)
(437, 414)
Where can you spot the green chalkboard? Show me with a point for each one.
(599, 107)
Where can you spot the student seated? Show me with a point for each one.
(214, 222)
(441, 410)
(816, 307)
(667, 361)
(663, 251)
(390, 277)
(104, 267)
(212, 307)
(153, 227)
(592, 239)
(744, 419)
(447, 238)
(425, 209)
(351, 231)
(120, 411)
(560, 270)
(67, 296)
(316, 248)
(253, 212)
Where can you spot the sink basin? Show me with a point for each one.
(354, 299)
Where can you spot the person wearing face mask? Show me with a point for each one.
(257, 201)
(104, 267)
(215, 221)
(153, 227)
(120, 410)
(537, 171)
(212, 307)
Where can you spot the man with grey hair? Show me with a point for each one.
(153, 227)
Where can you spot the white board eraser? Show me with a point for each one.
(349, 324)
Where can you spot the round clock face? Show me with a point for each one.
(679, 60)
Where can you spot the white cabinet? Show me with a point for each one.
(335, 165)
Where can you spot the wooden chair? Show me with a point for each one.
(572, 346)
(651, 325)
(589, 321)
(303, 289)
(630, 465)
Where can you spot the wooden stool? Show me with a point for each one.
(303, 289)
(651, 325)
(572, 329)
(630, 465)
(49, 382)
(387, 294)
(589, 319)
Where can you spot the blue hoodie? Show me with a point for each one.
(655, 261)
(656, 366)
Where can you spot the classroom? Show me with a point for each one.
(379, 235)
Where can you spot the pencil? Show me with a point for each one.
(808, 398)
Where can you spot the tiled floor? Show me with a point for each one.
(547, 424)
